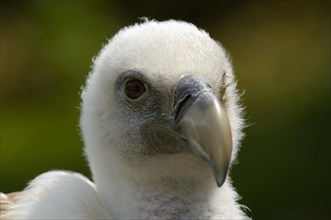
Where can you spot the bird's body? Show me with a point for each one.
(68, 195)
(161, 122)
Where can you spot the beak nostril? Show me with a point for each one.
(182, 105)
(187, 90)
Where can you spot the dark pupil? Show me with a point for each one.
(134, 89)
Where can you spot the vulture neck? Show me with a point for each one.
(130, 195)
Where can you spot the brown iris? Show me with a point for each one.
(134, 88)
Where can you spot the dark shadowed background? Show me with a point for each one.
(281, 56)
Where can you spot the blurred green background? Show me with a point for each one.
(281, 56)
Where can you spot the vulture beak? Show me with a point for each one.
(201, 121)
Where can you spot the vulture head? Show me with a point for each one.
(161, 103)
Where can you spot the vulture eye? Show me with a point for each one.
(134, 88)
